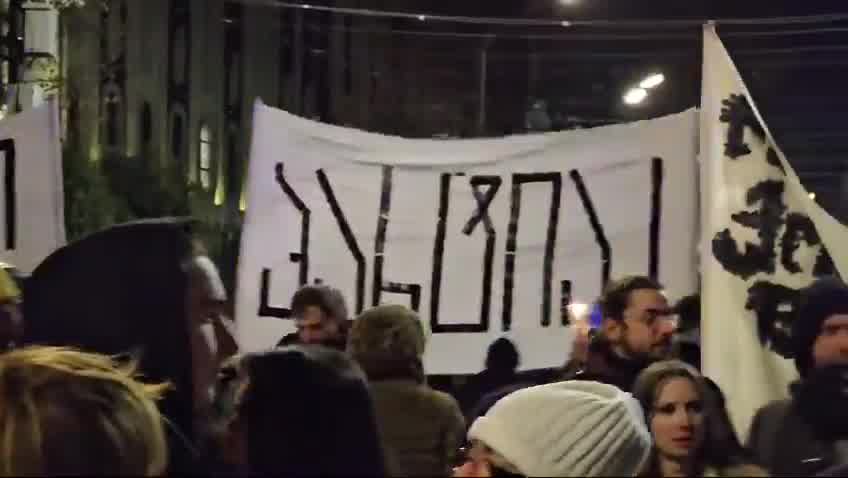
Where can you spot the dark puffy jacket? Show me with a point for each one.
(798, 436)
(604, 366)
(482, 384)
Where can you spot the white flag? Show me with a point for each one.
(32, 219)
(763, 240)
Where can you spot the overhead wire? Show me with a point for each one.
(537, 22)
(571, 35)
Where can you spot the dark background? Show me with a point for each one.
(797, 72)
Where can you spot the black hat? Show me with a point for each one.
(822, 299)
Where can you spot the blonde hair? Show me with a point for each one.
(64, 411)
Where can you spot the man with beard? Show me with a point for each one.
(321, 318)
(636, 331)
(808, 432)
(145, 289)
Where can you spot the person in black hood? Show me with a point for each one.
(808, 432)
(145, 289)
(502, 361)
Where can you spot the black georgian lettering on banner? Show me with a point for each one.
(380, 286)
(484, 200)
(657, 177)
(597, 227)
(349, 237)
(518, 181)
(774, 304)
(7, 147)
(766, 220)
(565, 301)
(738, 114)
(302, 257)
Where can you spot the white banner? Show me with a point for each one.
(32, 221)
(763, 240)
(484, 237)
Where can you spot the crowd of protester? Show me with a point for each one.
(119, 359)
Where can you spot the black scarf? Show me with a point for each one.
(606, 366)
(821, 400)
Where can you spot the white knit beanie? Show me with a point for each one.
(572, 428)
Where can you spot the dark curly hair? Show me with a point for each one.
(616, 296)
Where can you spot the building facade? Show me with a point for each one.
(174, 81)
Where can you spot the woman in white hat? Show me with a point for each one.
(573, 428)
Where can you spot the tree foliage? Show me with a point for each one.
(120, 189)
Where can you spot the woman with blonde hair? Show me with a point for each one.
(689, 424)
(66, 412)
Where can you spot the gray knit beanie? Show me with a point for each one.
(572, 428)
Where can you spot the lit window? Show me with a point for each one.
(205, 163)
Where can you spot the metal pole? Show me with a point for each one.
(298, 90)
(483, 77)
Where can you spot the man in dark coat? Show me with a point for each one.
(144, 289)
(808, 433)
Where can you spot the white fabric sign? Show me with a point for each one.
(763, 240)
(32, 220)
(482, 236)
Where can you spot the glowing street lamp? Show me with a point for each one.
(652, 81)
(635, 96)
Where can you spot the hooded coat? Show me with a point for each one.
(123, 291)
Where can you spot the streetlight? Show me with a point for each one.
(635, 96)
(652, 81)
(812, 196)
